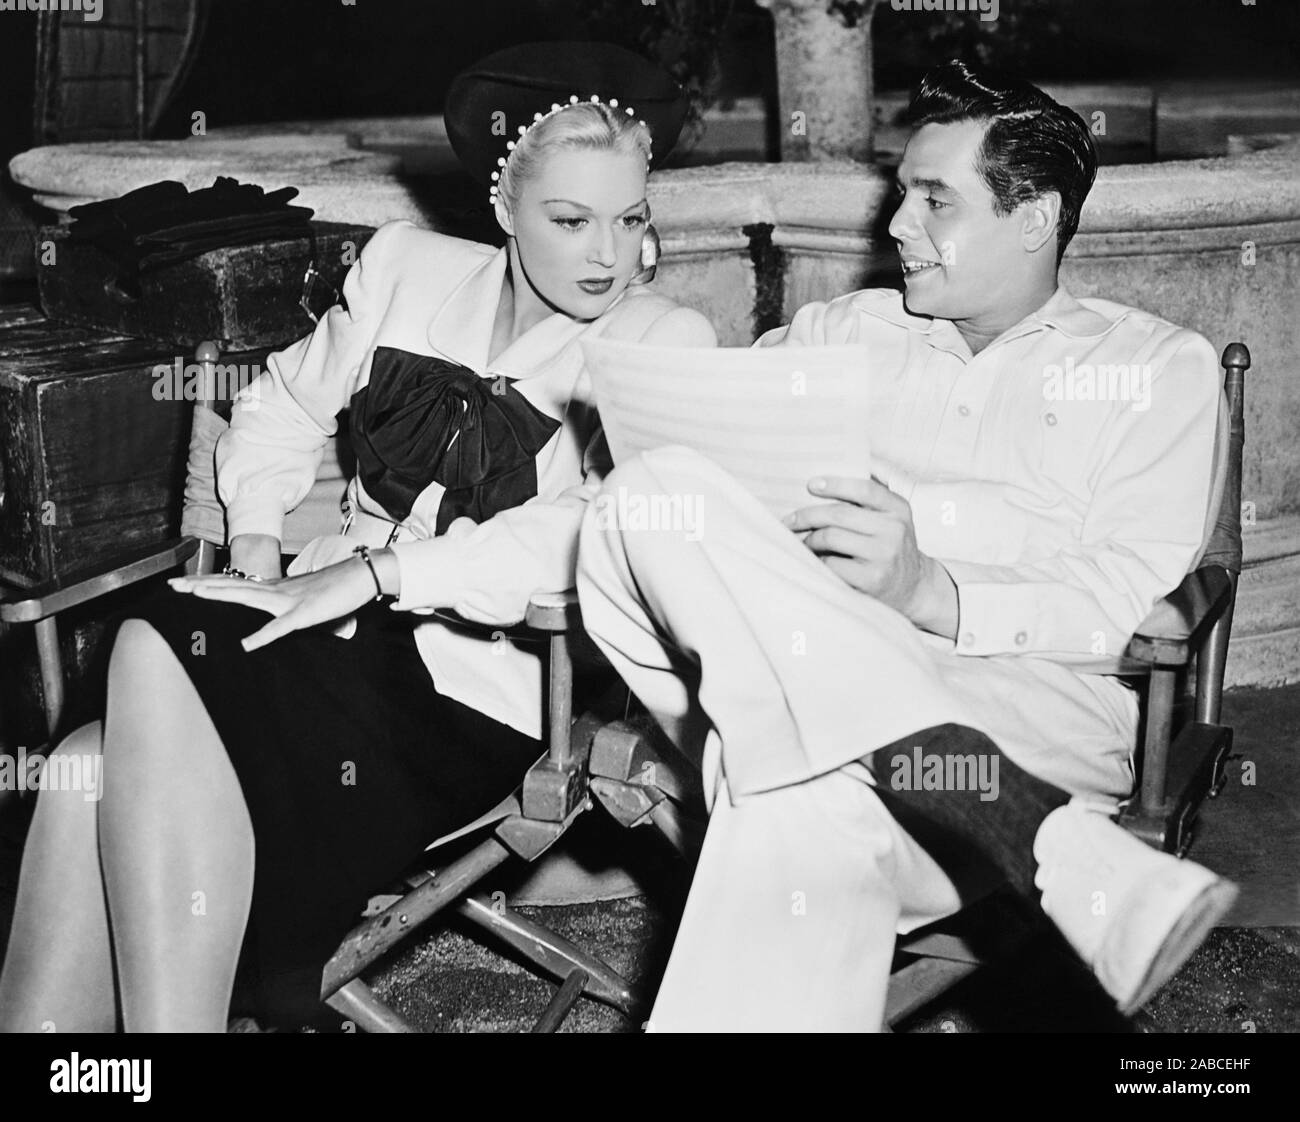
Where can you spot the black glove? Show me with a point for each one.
(163, 223)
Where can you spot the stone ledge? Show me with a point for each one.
(1265, 647)
(341, 183)
(1270, 540)
(1259, 187)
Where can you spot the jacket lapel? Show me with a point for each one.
(461, 329)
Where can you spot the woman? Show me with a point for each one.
(264, 776)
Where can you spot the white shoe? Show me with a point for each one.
(1132, 913)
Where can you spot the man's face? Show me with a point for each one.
(961, 261)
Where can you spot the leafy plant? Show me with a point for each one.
(682, 36)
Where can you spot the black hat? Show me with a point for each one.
(536, 79)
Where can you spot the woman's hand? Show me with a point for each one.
(296, 602)
(258, 555)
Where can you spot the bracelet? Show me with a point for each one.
(363, 551)
(231, 571)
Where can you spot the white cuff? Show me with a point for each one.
(425, 568)
(254, 516)
(994, 617)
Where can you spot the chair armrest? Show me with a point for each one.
(44, 600)
(548, 612)
(1168, 636)
(554, 611)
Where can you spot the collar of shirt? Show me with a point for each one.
(1062, 312)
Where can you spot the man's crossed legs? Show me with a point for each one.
(796, 695)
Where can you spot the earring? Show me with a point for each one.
(649, 256)
(649, 247)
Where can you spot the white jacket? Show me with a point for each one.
(427, 294)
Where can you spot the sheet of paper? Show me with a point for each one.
(774, 417)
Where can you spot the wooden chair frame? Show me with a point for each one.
(581, 754)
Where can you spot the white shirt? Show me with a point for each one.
(1064, 475)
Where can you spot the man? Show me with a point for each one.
(967, 606)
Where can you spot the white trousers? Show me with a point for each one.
(775, 677)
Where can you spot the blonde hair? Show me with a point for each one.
(589, 125)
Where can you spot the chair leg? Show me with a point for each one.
(51, 662)
(921, 982)
(564, 1000)
(357, 1003)
(370, 940)
(1178, 774)
(989, 929)
(1211, 662)
(204, 561)
(560, 703)
(553, 954)
(1196, 764)
(1155, 749)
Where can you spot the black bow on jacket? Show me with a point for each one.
(425, 420)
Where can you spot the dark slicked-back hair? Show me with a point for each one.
(1031, 144)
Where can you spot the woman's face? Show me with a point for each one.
(578, 224)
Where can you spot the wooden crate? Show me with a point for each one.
(92, 454)
(244, 297)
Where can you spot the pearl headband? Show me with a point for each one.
(538, 118)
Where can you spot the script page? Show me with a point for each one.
(773, 417)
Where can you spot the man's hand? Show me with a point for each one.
(296, 602)
(866, 537)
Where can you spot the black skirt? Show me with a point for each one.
(350, 763)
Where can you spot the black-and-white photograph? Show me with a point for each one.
(666, 516)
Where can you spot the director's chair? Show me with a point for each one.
(593, 758)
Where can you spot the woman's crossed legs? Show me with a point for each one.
(137, 901)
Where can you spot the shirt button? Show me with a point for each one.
(968, 640)
(1021, 638)
(964, 410)
(1050, 418)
